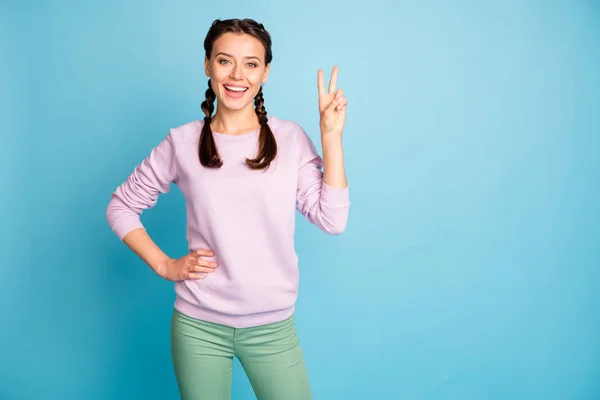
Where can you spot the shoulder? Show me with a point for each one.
(281, 128)
(293, 136)
(285, 128)
(185, 132)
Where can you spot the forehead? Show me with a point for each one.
(239, 45)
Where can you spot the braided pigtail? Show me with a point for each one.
(207, 150)
(267, 146)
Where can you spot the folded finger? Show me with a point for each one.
(342, 104)
(206, 263)
(205, 270)
(192, 275)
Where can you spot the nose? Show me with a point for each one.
(236, 72)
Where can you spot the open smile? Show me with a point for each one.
(235, 91)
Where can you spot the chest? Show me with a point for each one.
(235, 188)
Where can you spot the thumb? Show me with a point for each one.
(195, 253)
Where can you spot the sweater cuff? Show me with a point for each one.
(126, 225)
(334, 197)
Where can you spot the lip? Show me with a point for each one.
(235, 85)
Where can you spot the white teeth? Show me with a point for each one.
(236, 89)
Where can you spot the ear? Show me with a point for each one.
(206, 68)
(266, 77)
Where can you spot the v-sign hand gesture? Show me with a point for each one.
(332, 106)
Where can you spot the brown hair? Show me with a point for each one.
(207, 150)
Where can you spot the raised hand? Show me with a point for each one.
(332, 106)
(189, 266)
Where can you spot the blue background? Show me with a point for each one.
(469, 268)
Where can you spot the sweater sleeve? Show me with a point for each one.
(141, 189)
(322, 205)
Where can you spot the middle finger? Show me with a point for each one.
(333, 80)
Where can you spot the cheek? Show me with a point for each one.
(256, 76)
(218, 73)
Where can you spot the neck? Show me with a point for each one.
(235, 122)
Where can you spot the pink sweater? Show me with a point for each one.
(247, 217)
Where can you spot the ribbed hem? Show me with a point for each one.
(126, 225)
(335, 197)
(233, 321)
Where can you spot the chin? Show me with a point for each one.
(237, 106)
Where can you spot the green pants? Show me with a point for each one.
(203, 352)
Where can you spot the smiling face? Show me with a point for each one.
(236, 69)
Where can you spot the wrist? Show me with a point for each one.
(331, 139)
(162, 266)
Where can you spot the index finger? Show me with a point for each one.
(204, 252)
(321, 82)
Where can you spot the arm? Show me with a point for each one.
(140, 191)
(322, 197)
(144, 247)
(333, 156)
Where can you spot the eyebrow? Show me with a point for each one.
(229, 55)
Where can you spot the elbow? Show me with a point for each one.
(112, 215)
(335, 228)
(113, 209)
(122, 220)
(109, 213)
(332, 221)
(121, 217)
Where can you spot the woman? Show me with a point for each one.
(242, 175)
